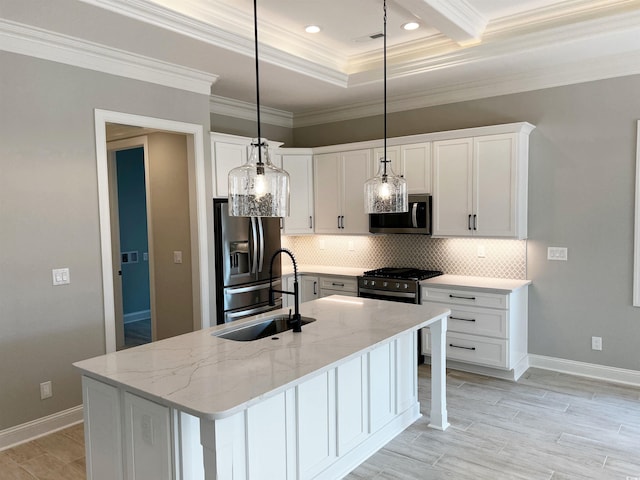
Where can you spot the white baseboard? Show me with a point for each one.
(39, 428)
(590, 370)
(135, 316)
(581, 369)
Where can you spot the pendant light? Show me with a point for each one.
(258, 188)
(386, 192)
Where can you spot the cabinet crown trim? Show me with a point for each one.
(519, 127)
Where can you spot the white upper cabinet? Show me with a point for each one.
(480, 186)
(393, 154)
(299, 164)
(229, 152)
(412, 161)
(416, 166)
(339, 191)
(452, 172)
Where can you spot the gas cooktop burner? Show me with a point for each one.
(403, 273)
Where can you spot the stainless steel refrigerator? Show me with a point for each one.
(243, 250)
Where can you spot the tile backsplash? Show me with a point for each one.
(455, 256)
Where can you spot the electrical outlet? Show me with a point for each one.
(557, 253)
(482, 252)
(322, 244)
(350, 245)
(46, 390)
(147, 429)
(596, 343)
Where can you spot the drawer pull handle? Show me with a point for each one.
(458, 346)
(464, 298)
(463, 319)
(337, 284)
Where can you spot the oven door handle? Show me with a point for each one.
(414, 215)
(387, 294)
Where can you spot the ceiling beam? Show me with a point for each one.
(456, 19)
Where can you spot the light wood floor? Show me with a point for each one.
(546, 426)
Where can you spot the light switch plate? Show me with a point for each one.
(177, 256)
(60, 276)
(482, 252)
(557, 253)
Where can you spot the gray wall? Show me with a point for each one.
(49, 219)
(248, 128)
(581, 196)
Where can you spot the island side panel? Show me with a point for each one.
(325, 426)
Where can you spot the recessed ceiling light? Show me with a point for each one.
(411, 25)
(312, 29)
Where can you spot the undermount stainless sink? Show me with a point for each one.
(266, 328)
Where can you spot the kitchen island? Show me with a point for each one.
(294, 406)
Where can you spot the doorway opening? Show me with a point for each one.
(195, 255)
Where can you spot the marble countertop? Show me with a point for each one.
(211, 377)
(486, 284)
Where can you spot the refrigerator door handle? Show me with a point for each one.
(261, 246)
(253, 311)
(251, 288)
(254, 244)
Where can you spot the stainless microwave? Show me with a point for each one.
(416, 220)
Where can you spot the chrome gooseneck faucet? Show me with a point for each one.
(296, 320)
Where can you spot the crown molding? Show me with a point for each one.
(555, 76)
(36, 42)
(502, 39)
(245, 110)
(457, 19)
(216, 29)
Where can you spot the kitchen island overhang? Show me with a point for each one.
(329, 396)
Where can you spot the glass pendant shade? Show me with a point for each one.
(258, 188)
(386, 192)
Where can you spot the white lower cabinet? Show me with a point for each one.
(316, 431)
(103, 430)
(308, 287)
(266, 440)
(147, 433)
(352, 409)
(484, 329)
(321, 428)
(347, 286)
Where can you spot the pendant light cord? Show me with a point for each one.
(255, 31)
(385, 88)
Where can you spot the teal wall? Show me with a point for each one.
(132, 206)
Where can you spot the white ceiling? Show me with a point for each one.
(464, 49)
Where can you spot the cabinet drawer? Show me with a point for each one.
(471, 349)
(477, 320)
(465, 297)
(339, 284)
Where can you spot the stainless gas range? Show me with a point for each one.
(395, 284)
